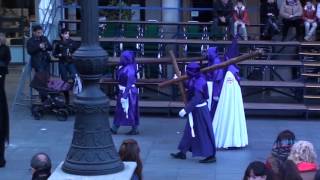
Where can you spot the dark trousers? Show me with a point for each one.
(43, 67)
(3, 118)
(65, 69)
(217, 23)
(270, 29)
(2, 149)
(287, 23)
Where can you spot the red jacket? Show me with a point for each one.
(309, 13)
(241, 13)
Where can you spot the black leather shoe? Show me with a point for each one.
(2, 163)
(179, 155)
(133, 132)
(210, 159)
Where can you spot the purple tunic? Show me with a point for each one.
(126, 76)
(203, 143)
(233, 51)
(216, 77)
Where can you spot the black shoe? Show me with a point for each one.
(133, 132)
(179, 155)
(113, 131)
(2, 163)
(210, 159)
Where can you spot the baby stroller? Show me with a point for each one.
(50, 91)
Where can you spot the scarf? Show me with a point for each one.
(292, 2)
(281, 153)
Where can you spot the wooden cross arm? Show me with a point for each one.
(217, 66)
(178, 73)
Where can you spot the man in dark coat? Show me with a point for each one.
(5, 58)
(223, 14)
(38, 46)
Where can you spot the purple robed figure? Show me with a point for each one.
(233, 51)
(229, 122)
(127, 110)
(201, 143)
(215, 80)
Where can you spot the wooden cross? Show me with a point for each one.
(178, 73)
(214, 67)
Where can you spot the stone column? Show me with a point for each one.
(92, 151)
(170, 15)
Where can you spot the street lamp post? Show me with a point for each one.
(92, 151)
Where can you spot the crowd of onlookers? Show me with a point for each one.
(274, 19)
(289, 160)
(129, 151)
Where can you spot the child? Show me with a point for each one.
(241, 19)
(130, 151)
(310, 20)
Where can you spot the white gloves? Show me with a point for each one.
(175, 75)
(122, 100)
(77, 86)
(182, 113)
(125, 106)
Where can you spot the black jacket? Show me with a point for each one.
(64, 50)
(39, 57)
(266, 8)
(219, 9)
(5, 58)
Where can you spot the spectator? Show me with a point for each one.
(38, 47)
(223, 10)
(317, 176)
(241, 19)
(63, 50)
(304, 156)
(269, 14)
(41, 166)
(257, 170)
(318, 10)
(310, 21)
(5, 58)
(130, 151)
(291, 12)
(281, 148)
(290, 171)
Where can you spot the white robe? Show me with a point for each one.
(229, 122)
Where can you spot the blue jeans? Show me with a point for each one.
(67, 68)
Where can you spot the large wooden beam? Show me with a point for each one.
(178, 73)
(217, 66)
(115, 61)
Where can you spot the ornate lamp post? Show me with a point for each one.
(92, 151)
